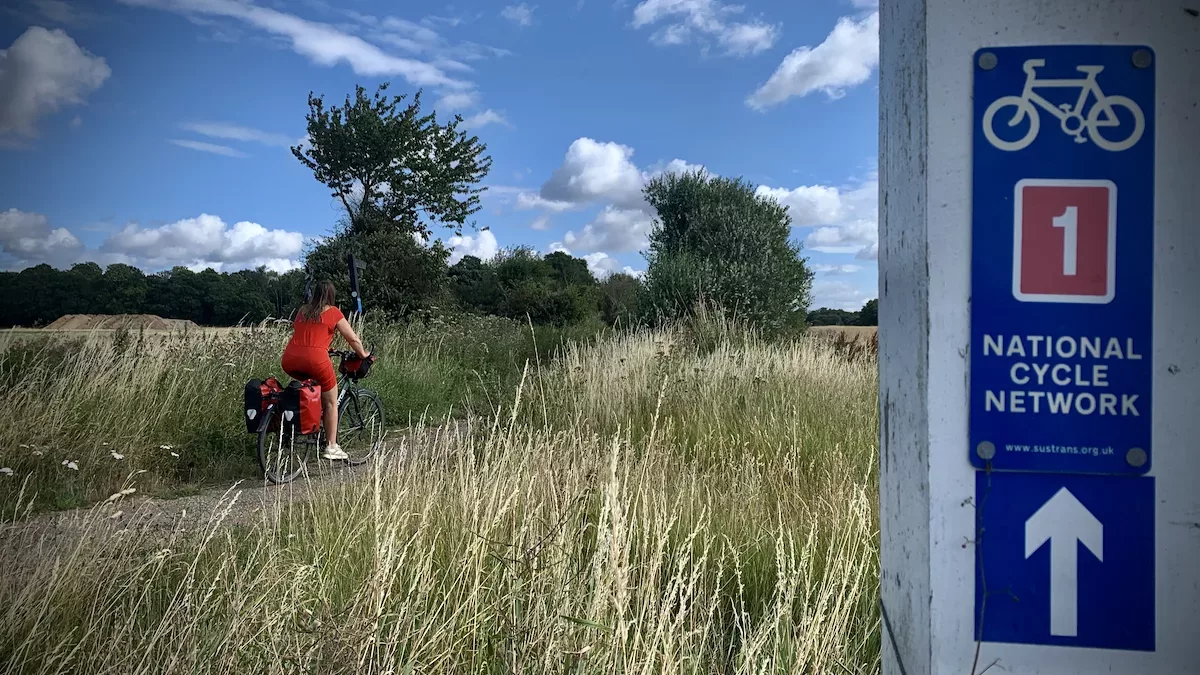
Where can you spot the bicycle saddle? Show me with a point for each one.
(1089, 70)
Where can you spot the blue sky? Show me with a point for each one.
(155, 132)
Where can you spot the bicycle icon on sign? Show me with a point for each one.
(1101, 116)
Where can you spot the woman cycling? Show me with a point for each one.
(307, 355)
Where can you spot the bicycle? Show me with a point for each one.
(1071, 117)
(283, 454)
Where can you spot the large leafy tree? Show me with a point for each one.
(394, 166)
(717, 242)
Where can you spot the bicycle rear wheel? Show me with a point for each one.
(360, 425)
(282, 453)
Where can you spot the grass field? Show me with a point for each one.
(852, 333)
(683, 501)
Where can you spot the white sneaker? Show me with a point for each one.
(334, 451)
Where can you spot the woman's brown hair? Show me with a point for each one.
(322, 297)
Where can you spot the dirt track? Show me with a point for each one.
(47, 537)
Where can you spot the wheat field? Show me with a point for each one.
(664, 502)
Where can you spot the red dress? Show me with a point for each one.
(307, 353)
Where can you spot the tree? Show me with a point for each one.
(832, 317)
(390, 166)
(402, 275)
(620, 300)
(717, 242)
(869, 314)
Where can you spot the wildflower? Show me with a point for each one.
(174, 454)
(71, 464)
(38, 453)
(6, 471)
(117, 456)
(165, 447)
(104, 443)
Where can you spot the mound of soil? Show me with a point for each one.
(116, 321)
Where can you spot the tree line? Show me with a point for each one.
(555, 289)
(867, 316)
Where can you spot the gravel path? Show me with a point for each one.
(47, 537)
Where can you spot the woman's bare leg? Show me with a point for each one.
(330, 414)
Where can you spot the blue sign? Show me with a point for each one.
(1062, 259)
(1065, 560)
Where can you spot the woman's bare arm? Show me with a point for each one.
(347, 332)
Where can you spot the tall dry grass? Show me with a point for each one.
(83, 411)
(646, 506)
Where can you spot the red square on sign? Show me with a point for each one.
(1064, 241)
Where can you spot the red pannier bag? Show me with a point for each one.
(258, 395)
(302, 406)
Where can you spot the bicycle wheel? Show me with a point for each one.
(360, 425)
(282, 453)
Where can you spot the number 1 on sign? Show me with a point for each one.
(1069, 222)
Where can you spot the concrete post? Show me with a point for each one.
(1102, 574)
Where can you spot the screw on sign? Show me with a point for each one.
(1064, 241)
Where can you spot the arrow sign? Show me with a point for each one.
(1063, 521)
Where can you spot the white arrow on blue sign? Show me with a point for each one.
(1065, 560)
(1064, 523)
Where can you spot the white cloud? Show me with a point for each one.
(596, 171)
(42, 72)
(483, 246)
(845, 59)
(838, 295)
(458, 100)
(234, 132)
(27, 238)
(484, 118)
(530, 200)
(541, 223)
(614, 229)
(845, 221)
(702, 20)
(211, 148)
(521, 14)
(321, 43)
(835, 269)
(204, 241)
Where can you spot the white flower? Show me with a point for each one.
(38, 453)
(70, 464)
(117, 456)
(24, 446)
(6, 471)
(104, 443)
(165, 447)
(174, 454)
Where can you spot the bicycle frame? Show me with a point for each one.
(1086, 86)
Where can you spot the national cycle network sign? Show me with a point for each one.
(1062, 260)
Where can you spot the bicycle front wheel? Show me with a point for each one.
(360, 426)
(282, 453)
